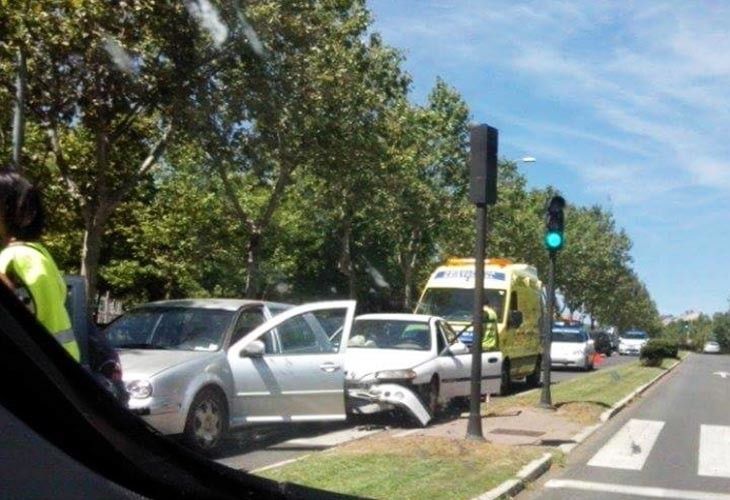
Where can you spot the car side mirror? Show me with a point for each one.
(458, 348)
(255, 349)
(515, 319)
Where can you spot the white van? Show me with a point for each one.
(514, 291)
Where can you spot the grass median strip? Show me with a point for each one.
(582, 399)
(411, 467)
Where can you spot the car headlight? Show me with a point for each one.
(139, 389)
(578, 352)
(395, 375)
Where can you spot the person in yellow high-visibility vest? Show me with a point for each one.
(489, 342)
(25, 264)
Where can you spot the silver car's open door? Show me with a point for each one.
(288, 369)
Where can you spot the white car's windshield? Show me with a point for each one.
(390, 334)
(565, 335)
(185, 329)
(634, 335)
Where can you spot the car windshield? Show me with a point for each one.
(185, 329)
(457, 304)
(567, 335)
(390, 334)
(634, 335)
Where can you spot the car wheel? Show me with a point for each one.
(533, 379)
(207, 422)
(505, 387)
(430, 396)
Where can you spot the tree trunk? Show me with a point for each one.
(252, 265)
(19, 112)
(90, 252)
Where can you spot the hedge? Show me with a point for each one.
(655, 350)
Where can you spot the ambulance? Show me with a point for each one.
(515, 293)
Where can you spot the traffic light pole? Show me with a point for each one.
(474, 426)
(546, 400)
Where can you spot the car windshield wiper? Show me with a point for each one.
(140, 345)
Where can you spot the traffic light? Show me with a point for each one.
(554, 224)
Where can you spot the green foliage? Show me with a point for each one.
(656, 350)
(286, 161)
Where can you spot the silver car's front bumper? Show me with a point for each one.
(381, 397)
(163, 414)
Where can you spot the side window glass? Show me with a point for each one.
(304, 335)
(449, 333)
(440, 340)
(247, 321)
(513, 304)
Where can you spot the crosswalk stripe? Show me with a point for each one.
(714, 454)
(640, 491)
(630, 447)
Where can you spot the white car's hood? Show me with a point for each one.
(361, 361)
(145, 363)
(566, 349)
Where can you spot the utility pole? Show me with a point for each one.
(483, 192)
(554, 240)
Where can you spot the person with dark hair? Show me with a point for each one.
(25, 264)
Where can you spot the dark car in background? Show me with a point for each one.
(602, 342)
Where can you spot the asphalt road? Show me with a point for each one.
(673, 443)
(255, 449)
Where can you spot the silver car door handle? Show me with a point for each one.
(329, 367)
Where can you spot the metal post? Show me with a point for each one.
(546, 400)
(474, 428)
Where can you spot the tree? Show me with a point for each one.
(106, 83)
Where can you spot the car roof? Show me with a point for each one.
(421, 318)
(225, 304)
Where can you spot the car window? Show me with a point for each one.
(303, 335)
(440, 339)
(178, 328)
(249, 319)
(390, 334)
(449, 332)
(566, 335)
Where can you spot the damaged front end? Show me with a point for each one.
(367, 398)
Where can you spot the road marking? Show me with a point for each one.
(644, 491)
(722, 374)
(630, 447)
(714, 451)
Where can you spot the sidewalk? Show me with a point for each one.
(515, 426)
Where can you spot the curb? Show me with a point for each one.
(625, 401)
(527, 474)
(537, 468)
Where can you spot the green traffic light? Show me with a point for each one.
(553, 241)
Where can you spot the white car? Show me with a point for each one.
(631, 342)
(572, 347)
(410, 361)
(711, 347)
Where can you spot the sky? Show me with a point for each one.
(623, 104)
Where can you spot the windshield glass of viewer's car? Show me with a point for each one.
(187, 329)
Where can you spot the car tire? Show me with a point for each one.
(505, 386)
(533, 379)
(207, 422)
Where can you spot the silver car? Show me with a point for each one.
(200, 367)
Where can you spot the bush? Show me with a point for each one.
(655, 350)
